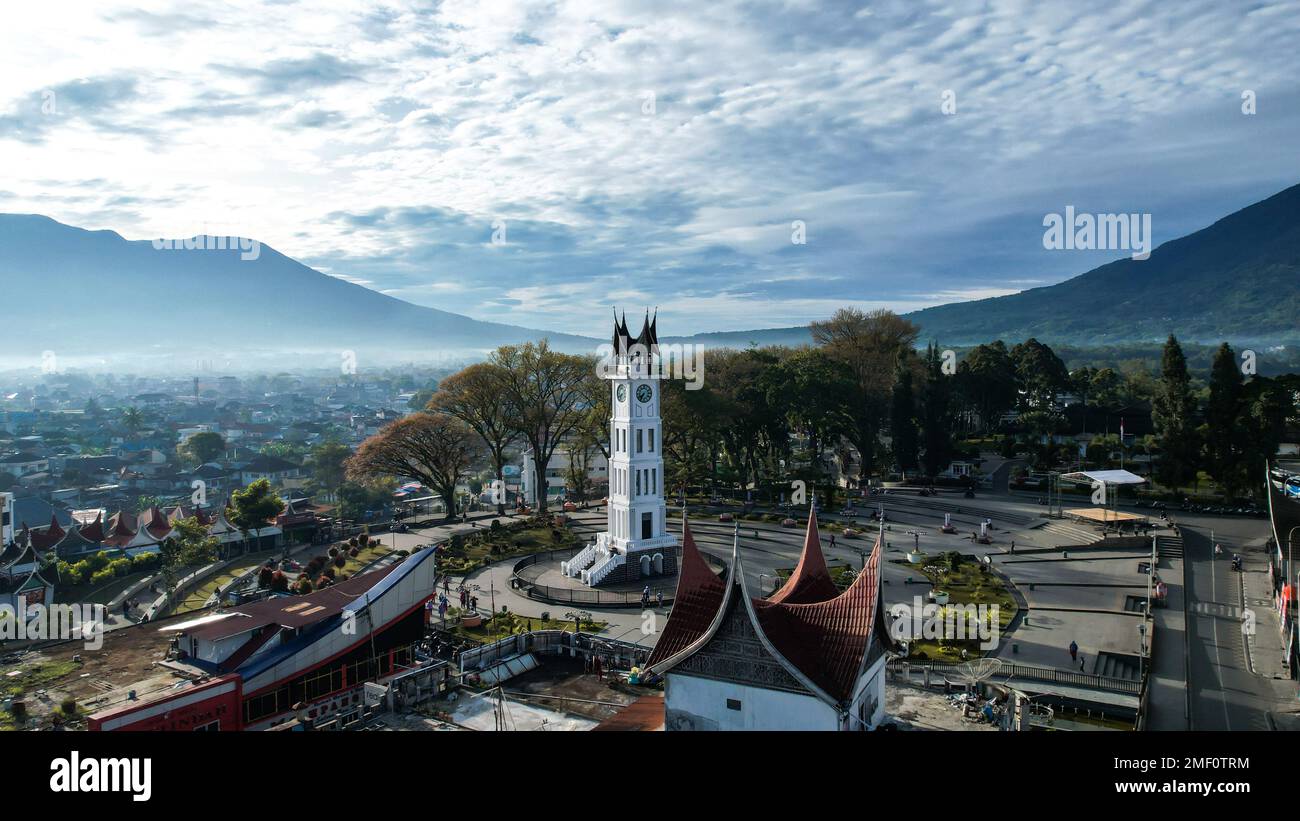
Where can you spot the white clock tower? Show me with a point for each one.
(636, 543)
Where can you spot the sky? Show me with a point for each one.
(737, 165)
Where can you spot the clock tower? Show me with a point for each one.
(636, 542)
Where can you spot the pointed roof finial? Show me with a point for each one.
(811, 580)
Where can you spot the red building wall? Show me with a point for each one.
(217, 700)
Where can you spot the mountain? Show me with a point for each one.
(1237, 280)
(78, 293)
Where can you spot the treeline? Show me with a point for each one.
(863, 399)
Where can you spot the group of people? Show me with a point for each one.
(645, 598)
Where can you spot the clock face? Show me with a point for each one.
(643, 393)
(622, 393)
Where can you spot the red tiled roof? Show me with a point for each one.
(52, 535)
(156, 523)
(826, 640)
(699, 595)
(120, 533)
(646, 713)
(93, 532)
(811, 581)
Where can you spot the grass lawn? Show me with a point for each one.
(518, 539)
(364, 557)
(508, 624)
(965, 583)
(198, 596)
(99, 593)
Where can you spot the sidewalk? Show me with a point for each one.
(1265, 650)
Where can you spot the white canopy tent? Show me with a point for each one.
(1108, 480)
(1105, 477)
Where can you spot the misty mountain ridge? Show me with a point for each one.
(95, 296)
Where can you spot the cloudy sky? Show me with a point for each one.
(649, 153)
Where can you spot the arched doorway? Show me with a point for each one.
(645, 565)
(659, 564)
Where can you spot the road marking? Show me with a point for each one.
(1218, 657)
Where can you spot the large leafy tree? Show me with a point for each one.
(253, 507)
(546, 392)
(904, 434)
(188, 545)
(203, 447)
(692, 420)
(1267, 405)
(987, 382)
(1041, 376)
(435, 449)
(477, 397)
(1172, 413)
(811, 391)
(328, 464)
(869, 345)
(936, 413)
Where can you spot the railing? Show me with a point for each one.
(579, 562)
(608, 565)
(594, 598)
(1026, 671)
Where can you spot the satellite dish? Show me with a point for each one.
(979, 670)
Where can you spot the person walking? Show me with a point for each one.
(832, 541)
(659, 599)
(1074, 651)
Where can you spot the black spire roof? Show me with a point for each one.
(648, 338)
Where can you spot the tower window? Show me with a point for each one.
(733, 704)
(652, 440)
(639, 437)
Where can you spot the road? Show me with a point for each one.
(1225, 694)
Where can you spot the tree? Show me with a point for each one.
(1223, 421)
(133, 420)
(1041, 376)
(254, 507)
(987, 383)
(188, 545)
(143, 503)
(358, 498)
(1267, 406)
(903, 420)
(936, 418)
(811, 391)
(435, 449)
(544, 390)
(475, 396)
(692, 421)
(327, 464)
(869, 345)
(1171, 414)
(202, 448)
